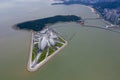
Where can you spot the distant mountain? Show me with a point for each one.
(109, 9)
(85, 1)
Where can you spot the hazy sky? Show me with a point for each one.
(10, 3)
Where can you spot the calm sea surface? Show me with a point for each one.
(92, 54)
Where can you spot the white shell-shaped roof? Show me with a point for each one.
(42, 43)
(51, 41)
(46, 39)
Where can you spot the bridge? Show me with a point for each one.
(105, 28)
(91, 18)
(82, 21)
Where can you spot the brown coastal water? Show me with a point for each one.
(92, 54)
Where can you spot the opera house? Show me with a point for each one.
(44, 44)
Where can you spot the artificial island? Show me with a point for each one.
(45, 42)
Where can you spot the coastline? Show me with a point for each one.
(45, 60)
(91, 9)
(99, 15)
(94, 11)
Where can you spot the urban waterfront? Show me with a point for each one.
(91, 54)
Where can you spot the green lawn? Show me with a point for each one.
(42, 56)
(61, 40)
(51, 50)
(34, 51)
(58, 44)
